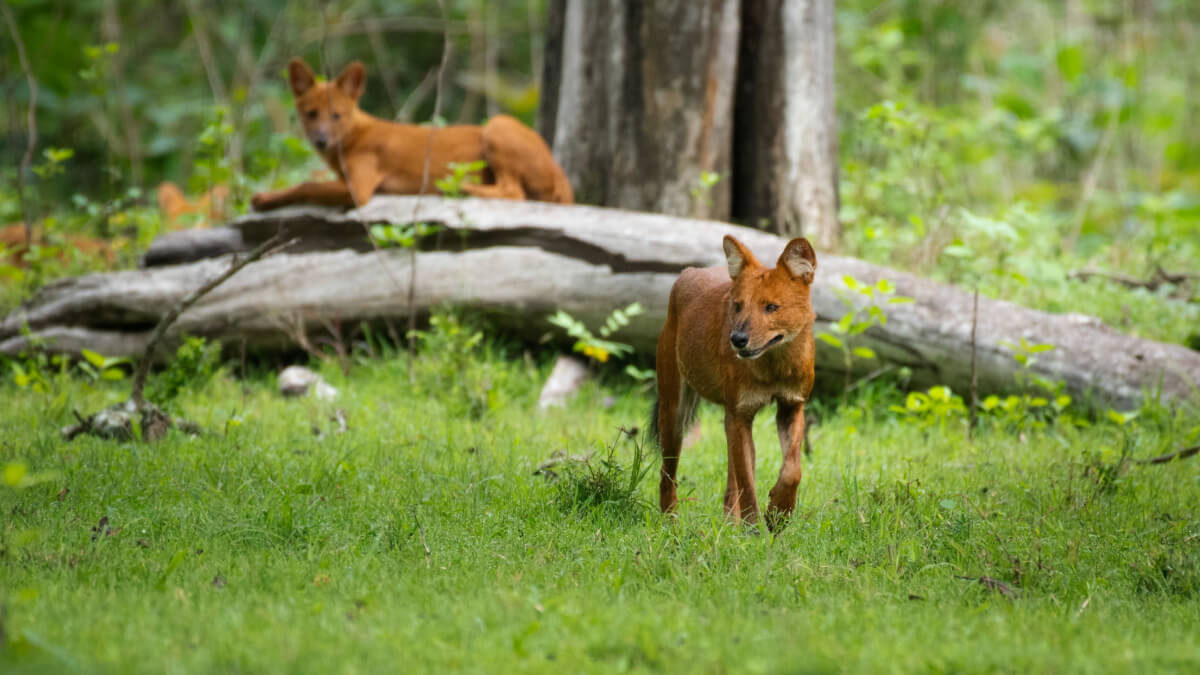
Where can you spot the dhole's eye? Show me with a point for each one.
(737, 308)
(337, 116)
(771, 307)
(312, 114)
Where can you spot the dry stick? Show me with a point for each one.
(412, 269)
(1157, 279)
(971, 414)
(417, 97)
(1170, 456)
(111, 24)
(253, 79)
(31, 121)
(1090, 179)
(386, 24)
(160, 330)
(421, 530)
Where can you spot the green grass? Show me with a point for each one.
(266, 547)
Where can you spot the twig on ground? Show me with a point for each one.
(421, 531)
(992, 584)
(1171, 456)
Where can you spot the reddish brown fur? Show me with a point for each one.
(741, 337)
(12, 241)
(210, 207)
(371, 155)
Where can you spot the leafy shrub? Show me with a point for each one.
(604, 483)
(195, 363)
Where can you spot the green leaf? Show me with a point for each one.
(1070, 62)
(916, 401)
(176, 560)
(948, 504)
(1121, 418)
(93, 358)
(829, 339)
(112, 374)
(900, 300)
(939, 393)
(864, 352)
(844, 323)
(14, 473)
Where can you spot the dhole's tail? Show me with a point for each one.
(654, 424)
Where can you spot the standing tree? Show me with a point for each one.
(637, 102)
(785, 133)
(642, 101)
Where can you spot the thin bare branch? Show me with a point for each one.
(204, 48)
(1156, 280)
(412, 268)
(143, 368)
(387, 24)
(31, 123)
(972, 413)
(1171, 456)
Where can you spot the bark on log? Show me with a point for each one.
(521, 261)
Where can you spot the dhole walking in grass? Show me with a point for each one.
(741, 341)
(371, 155)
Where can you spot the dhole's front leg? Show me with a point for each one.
(733, 509)
(739, 436)
(789, 420)
(324, 193)
(363, 179)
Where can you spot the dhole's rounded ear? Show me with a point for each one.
(799, 259)
(300, 76)
(353, 80)
(737, 256)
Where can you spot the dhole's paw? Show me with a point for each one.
(262, 201)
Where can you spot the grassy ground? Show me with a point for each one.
(420, 539)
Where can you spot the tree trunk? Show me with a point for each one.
(785, 134)
(521, 261)
(638, 101)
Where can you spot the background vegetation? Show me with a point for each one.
(990, 144)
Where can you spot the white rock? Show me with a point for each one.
(567, 377)
(297, 380)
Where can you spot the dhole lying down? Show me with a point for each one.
(374, 156)
(741, 338)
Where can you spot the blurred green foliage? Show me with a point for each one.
(196, 92)
(1005, 145)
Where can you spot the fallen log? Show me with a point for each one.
(518, 262)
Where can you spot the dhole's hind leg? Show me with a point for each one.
(789, 420)
(675, 415)
(507, 186)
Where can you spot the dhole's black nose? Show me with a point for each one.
(320, 142)
(738, 339)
